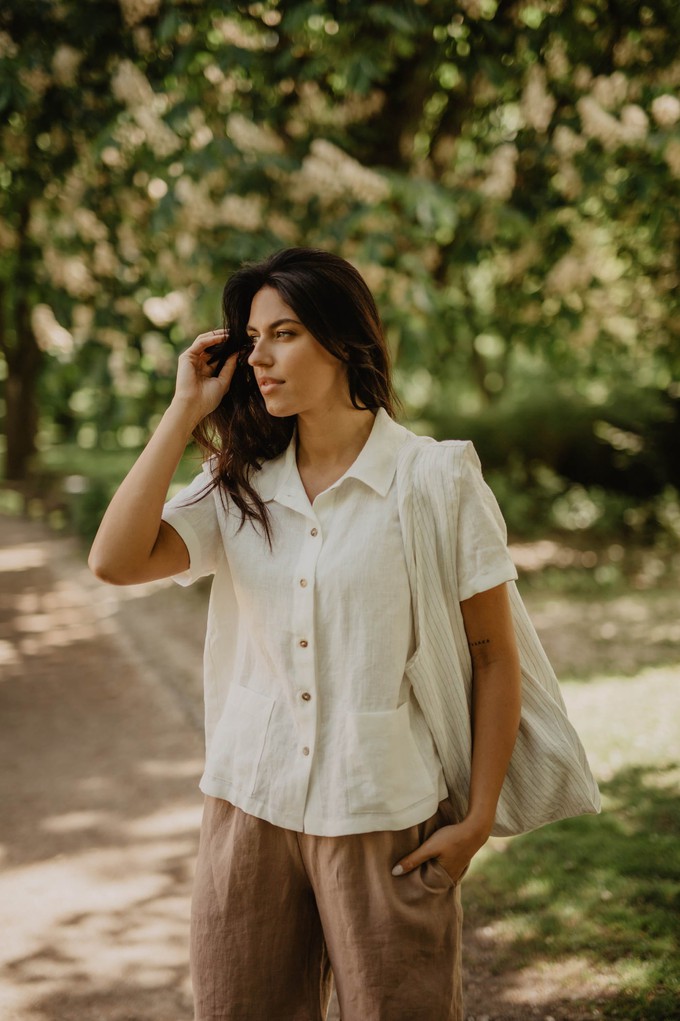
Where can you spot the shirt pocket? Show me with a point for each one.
(238, 743)
(385, 770)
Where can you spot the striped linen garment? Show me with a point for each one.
(549, 777)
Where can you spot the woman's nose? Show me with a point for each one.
(258, 355)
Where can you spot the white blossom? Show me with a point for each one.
(111, 156)
(69, 273)
(160, 138)
(50, 335)
(666, 110)
(128, 244)
(35, 80)
(582, 77)
(570, 273)
(115, 339)
(556, 59)
(329, 172)
(134, 11)
(567, 142)
(165, 310)
(634, 123)
(201, 137)
(598, 124)
(500, 181)
(198, 209)
(130, 86)
(232, 32)
(88, 226)
(185, 244)
(105, 263)
(314, 107)
(143, 39)
(568, 180)
(65, 64)
(283, 227)
(537, 104)
(242, 212)
(82, 318)
(473, 8)
(8, 48)
(610, 91)
(250, 137)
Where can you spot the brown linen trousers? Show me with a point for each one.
(274, 910)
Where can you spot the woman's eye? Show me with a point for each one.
(284, 333)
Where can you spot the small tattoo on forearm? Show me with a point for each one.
(481, 641)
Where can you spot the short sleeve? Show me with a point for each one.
(483, 560)
(193, 514)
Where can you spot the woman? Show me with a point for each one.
(328, 834)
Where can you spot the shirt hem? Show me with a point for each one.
(366, 822)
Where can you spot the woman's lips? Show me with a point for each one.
(270, 385)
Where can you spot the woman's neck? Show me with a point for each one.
(336, 437)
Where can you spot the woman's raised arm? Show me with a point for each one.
(133, 544)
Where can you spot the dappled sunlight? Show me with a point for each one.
(56, 617)
(100, 805)
(581, 912)
(97, 919)
(167, 768)
(643, 727)
(9, 654)
(23, 557)
(70, 822)
(571, 978)
(166, 822)
(613, 634)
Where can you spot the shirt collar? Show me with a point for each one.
(375, 464)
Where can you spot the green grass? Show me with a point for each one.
(603, 891)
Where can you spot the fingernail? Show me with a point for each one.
(398, 870)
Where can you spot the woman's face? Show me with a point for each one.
(306, 376)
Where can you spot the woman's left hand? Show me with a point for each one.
(452, 846)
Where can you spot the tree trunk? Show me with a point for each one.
(23, 358)
(21, 412)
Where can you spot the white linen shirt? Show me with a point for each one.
(311, 720)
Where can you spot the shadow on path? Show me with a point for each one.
(99, 804)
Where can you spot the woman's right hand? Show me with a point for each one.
(197, 389)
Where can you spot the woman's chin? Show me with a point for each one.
(277, 408)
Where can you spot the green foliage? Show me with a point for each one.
(506, 176)
(559, 461)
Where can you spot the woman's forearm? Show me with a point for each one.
(129, 529)
(496, 707)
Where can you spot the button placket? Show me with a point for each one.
(303, 652)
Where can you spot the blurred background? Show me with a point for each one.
(506, 175)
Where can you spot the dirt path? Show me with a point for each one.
(99, 803)
(100, 754)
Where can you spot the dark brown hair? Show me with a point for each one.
(333, 302)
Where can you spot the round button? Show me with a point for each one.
(305, 750)
(314, 531)
(303, 643)
(306, 696)
(303, 582)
